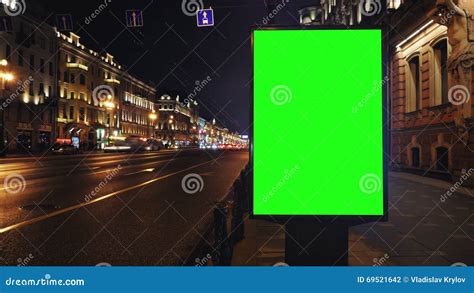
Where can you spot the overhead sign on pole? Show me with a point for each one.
(205, 17)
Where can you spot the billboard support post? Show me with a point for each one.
(309, 243)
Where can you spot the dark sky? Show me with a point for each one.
(172, 53)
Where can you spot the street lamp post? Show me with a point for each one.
(109, 105)
(153, 118)
(5, 77)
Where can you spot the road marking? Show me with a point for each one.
(141, 171)
(77, 206)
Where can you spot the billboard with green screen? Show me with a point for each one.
(318, 126)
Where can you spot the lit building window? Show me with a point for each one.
(440, 72)
(413, 85)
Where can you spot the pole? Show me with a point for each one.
(311, 243)
(3, 151)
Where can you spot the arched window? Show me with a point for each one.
(440, 50)
(413, 85)
(415, 157)
(442, 159)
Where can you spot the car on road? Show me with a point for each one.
(153, 144)
(64, 149)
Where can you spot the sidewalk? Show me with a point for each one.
(421, 230)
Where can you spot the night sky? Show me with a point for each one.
(172, 53)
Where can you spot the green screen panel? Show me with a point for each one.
(318, 123)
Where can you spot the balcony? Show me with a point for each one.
(77, 66)
(112, 80)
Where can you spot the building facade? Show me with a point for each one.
(178, 121)
(29, 98)
(430, 90)
(88, 104)
(431, 61)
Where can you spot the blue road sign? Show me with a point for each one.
(64, 22)
(6, 24)
(134, 18)
(205, 17)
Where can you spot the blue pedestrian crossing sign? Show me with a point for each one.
(205, 17)
(134, 18)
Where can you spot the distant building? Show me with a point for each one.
(178, 120)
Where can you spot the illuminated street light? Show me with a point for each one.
(7, 76)
(3, 62)
(109, 105)
(153, 116)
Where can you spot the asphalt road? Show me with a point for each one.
(118, 209)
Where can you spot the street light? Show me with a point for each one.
(153, 117)
(5, 77)
(109, 105)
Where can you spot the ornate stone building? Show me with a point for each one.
(29, 97)
(431, 50)
(178, 122)
(431, 88)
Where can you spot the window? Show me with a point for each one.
(51, 70)
(413, 85)
(41, 89)
(65, 77)
(20, 57)
(82, 79)
(440, 72)
(42, 65)
(31, 90)
(442, 158)
(50, 91)
(72, 95)
(71, 112)
(415, 157)
(32, 62)
(65, 93)
(42, 43)
(82, 96)
(65, 111)
(8, 52)
(73, 77)
(82, 112)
